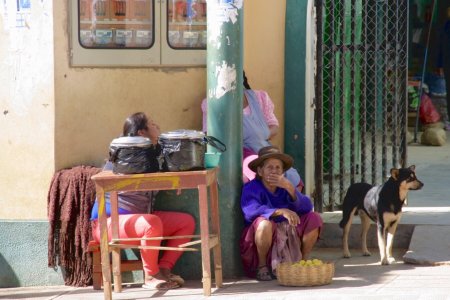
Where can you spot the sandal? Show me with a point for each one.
(263, 274)
(273, 274)
(158, 284)
(168, 274)
(177, 279)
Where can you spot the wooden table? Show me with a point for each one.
(107, 181)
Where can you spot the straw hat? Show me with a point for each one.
(271, 152)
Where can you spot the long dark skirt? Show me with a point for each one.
(249, 253)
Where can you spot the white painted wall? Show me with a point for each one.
(26, 109)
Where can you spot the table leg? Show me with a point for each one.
(216, 229)
(204, 232)
(115, 251)
(106, 268)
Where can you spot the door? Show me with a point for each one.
(361, 95)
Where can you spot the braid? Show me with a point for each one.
(246, 84)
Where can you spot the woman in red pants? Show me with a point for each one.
(137, 219)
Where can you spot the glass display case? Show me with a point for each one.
(138, 32)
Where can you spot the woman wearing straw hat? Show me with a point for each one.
(270, 199)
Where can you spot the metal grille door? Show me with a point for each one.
(361, 94)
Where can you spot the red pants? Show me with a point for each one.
(160, 223)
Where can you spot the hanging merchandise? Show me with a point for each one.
(436, 84)
(416, 127)
(427, 112)
(413, 98)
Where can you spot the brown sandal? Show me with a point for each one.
(177, 278)
(167, 273)
(158, 284)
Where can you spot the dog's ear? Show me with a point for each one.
(412, 168)
(394, 173)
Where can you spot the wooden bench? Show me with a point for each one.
(125, 265)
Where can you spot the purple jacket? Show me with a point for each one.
(257, 201)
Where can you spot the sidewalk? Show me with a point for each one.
(355, 278)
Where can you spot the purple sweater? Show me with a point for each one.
(257, 201)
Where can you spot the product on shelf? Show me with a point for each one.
(101, 9)
(143, 38)
(119, 9)
(123, 37)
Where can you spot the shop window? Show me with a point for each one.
(138, 32)
(186, 24)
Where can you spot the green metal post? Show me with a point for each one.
(224, 121)
(295, 66)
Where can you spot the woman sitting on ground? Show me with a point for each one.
(271, 205)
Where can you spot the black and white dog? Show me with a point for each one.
(382, 204)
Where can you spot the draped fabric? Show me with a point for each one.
(286, 246)
(69, 203)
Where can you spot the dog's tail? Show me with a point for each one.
(353, 198)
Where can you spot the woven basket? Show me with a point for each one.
(296, 275)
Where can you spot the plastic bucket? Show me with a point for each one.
(212, 159)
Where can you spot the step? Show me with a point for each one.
(429, 245)
(331, 235)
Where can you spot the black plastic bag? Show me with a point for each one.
(134, 157)
(183, 154)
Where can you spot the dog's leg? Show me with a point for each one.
(345, 234)
(390, 240)
(381, 233)
(365, 225)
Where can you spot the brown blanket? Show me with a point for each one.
(69, 203)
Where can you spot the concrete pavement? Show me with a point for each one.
(355, 278)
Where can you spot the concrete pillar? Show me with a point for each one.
(294, 88)
(224, 121)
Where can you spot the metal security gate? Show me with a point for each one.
(361, 94)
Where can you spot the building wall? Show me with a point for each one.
(82, 135)
(27, 107)
(264, 40)
(54, 116)
(92, 103)
(23, 258)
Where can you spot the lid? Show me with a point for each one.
(183, 134)
(131, 141)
